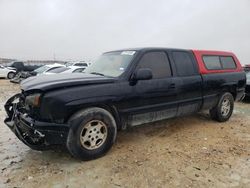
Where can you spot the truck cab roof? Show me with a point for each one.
(219, 61)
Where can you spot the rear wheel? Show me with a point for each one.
(11, 75)
(224, 109)
(92, 133)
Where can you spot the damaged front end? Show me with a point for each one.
(38, 135)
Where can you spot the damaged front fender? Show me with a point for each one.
(35, 134)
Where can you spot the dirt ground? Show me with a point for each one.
(183, 152)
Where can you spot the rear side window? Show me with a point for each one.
(158, 62)
(184, 64)
(81, 64)
(228, 63)
(219, 62)
(212, 62)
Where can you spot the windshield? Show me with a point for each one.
(111, 64)
(41, 69)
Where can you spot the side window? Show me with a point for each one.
(158, 62)
(79, 70)
(212, 62)
(184, 64)
(81, 64)
(227, 62)
(53, 68)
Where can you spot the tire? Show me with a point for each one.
(11, 75)
(224, 109)
(92, 133)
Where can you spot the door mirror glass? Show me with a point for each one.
(143, 74)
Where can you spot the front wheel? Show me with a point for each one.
(92, 133)
(224, 109)
(11, 75)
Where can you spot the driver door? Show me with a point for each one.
(154, 99)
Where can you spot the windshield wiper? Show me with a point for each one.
(97, 73)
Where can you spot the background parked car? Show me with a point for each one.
(74, 69)
(7, 72)
(46, 68)
(247, 68)
(22, 66)
(77, 63)
(247, 91)
(22, 75)
(70, 69)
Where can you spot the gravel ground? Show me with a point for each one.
(183, 152)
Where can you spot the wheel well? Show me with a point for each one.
(230, 89)
(109, 108)
(11, 72)
(114, 112)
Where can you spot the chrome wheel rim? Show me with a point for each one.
(93, 134)
(225, 107)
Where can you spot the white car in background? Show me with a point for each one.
(7, 72)
(77, 63)
(46, 68)
(65, 70)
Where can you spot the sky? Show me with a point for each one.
(83, 29)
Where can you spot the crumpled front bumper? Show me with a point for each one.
(35, 134)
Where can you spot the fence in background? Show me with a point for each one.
(5, 61)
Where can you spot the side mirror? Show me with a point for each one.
(143, 74)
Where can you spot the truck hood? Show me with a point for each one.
(55, 81)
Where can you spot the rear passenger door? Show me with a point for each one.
(155, 99)
(189, 82)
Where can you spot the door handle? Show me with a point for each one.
(172, 86)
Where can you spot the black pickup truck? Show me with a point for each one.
(22, 66)
(121, 89)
